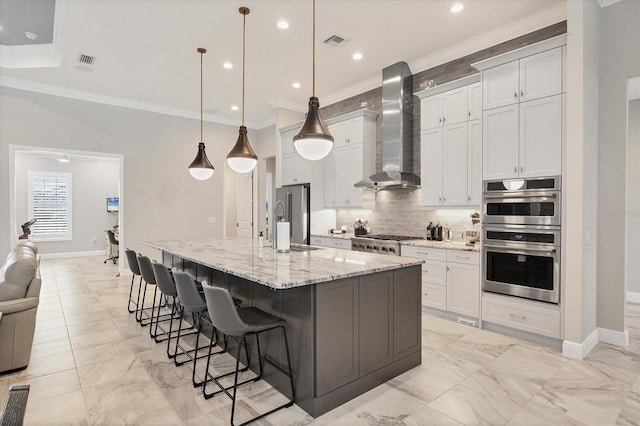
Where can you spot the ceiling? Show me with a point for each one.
(145, 50)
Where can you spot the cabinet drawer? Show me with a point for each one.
(461, 256)
(434, 273)
(434, 295)
(424, 252)
(530, 316)
(341, 244)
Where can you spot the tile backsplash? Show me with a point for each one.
(399, 212)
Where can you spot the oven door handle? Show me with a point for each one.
(527, 249)
(510, 196)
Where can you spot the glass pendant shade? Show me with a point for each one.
(242, 159)
(201, 168)
(313, 141)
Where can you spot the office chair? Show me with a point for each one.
(112, 242)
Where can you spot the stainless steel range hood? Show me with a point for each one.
(397, 132)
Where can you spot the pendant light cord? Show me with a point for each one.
(313, 90)
(244, 25)
(201, 105)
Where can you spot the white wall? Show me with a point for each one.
(633, 200)
(92, 181)
(619, 61)
(160, 199)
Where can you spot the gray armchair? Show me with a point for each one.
(19, 297)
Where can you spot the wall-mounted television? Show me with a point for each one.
(113, 204)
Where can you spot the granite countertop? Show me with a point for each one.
(345, 236)
(450, 245)
(243, 258)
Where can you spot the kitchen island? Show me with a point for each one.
(353, 319)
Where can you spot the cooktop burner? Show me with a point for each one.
(388, 237)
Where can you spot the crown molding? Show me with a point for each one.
(81, 95)
(605, 3)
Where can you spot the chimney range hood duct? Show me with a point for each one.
(397, 132)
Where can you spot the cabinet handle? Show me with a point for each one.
(426, 294)
(439, 119)
(469, 113)
(444, 119)
(442, 198)
(463, 257)
(515, 94)
(448, 269)
(468, 198)
(421, 252)
(521, 168)
(515, 170)
(522, 93)
(439, 198)
(522, 317)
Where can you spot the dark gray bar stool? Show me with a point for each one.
(243, 322)
(167, 286)
(150, 279)
(132, 260)
(192, 302)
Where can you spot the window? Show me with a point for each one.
(50, 204)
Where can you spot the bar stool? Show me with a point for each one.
(150, 279)
(243, 322)
(192, 302)
(167, 287)
(135, 270)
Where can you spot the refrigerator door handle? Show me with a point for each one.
(303, 208)
(290, 212)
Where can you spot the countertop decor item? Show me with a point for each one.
(361, 227)
(313, 141)
(201, 168)
(242, 158)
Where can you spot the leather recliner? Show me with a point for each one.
(19, 297)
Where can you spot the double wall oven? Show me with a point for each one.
(521, 238)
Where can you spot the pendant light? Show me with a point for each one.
(313, 141)
(201, 168)
(242, 159)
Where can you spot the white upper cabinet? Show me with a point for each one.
(352, 158)
(529, 78)
(451, 143)
(522, 111)
(474, 101)
(293, 168)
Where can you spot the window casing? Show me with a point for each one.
(50, 204)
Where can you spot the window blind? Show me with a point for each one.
(50, 204)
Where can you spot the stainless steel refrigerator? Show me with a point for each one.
(293, 203)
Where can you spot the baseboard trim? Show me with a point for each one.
(613, 337)
(633, 297)
(73, 254)
(580, 350)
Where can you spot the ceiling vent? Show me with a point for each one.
(335, 40)
(86, 59)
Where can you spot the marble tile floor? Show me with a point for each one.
(93, 364)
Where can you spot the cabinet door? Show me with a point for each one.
(342, 165)
(289, 169)
(500, 85)
(338, 131)
(463, 289)
(337, 329)
(353, 130)
(474, 101)
(286, 139)
(474, 162)
(541, 137)
(354, 169)
(454, 106)
(541, 75)
(431, 112)
(500, 142)
(454, 180)
(431, 167)
(330, 179)
(375, 295)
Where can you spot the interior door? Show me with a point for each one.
(244, 221)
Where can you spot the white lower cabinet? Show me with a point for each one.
(527, 315)
(450, 279)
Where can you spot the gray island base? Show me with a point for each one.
(353, 319)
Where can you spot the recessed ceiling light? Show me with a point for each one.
(283, 25)
(227, 65)
(30, 35)
(457, 7)
(296, 85)
(357, 56)
(234, 107)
